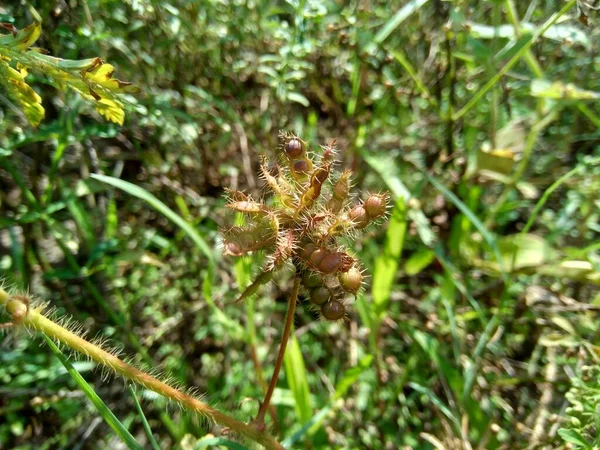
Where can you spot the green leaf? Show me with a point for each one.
(519, 251)
(92, 78)
(348, 379)
(556, 32)
(419, 261)
(143, 194)
(298, 98)
(351, 375)
(145, 423)
(396, 20)
(561, 91)
(19, 91)
(386, 265)
(24, 38)
(574, 437)
(295, 374)
(103, 410)
(387, 169)
(489, 238)
(215, 442)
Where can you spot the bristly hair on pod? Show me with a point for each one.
(309, 209)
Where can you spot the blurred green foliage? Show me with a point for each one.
(484, 305)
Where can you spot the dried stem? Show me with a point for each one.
(32, 318)
(289, 321)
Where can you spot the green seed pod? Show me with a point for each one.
(359, 216)
(341, 189)
(351, 281)
(294, 148)
(376, 206)
(320, 295)
(333, 310)
(300, 169)
(311, 279)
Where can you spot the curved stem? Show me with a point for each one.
(289, 321)
(32, 318)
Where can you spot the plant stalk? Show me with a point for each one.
(289, 321)
(32, 318)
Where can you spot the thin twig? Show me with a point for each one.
(289, 321)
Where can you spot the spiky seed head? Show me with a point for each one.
(376, 205)
(333, 310)
(301, 226)
(351, 281)
(320, 295)
(294, 148)
(359, 216)
(311, 279)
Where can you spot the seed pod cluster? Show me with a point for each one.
(373, 208)
(310, 210)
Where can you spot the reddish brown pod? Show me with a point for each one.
(333, 310)
(358, 215)
(294, 148)
(376, 205)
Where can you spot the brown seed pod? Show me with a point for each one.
(351, 281)
(233, 249)
(301, 166)
(294, 148)
(376, 206)
(359, 216)
(320, 295)
(311, 279)
(246, 206)
(318, 256)
(308, 250)
(331, 263)
(333, 310)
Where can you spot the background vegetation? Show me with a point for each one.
(480, 314)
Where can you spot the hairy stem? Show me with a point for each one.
(32, 318)
(289, 321)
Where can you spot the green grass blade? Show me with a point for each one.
(386, 265)
(136, 191)
(437, 402)
(529, 40)
(217, 442)
(395, 21)
(295, 374)
(103, 410)
(143, 194)
(348, 379)
(489, 238)
(554, 186)
(145, 423)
